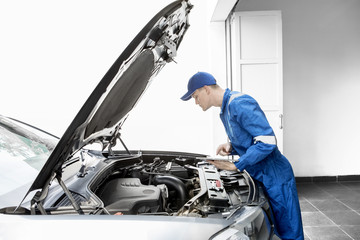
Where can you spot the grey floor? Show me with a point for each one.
(330, 210)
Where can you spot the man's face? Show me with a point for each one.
(201, 98)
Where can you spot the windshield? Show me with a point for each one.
(23, 152)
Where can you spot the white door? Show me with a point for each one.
(255, 40)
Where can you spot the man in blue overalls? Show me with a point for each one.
(252, 138)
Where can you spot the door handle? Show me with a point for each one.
(281, 121)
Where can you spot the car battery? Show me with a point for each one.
(216, 191)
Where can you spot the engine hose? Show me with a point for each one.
(173, 183)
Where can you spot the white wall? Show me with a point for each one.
(53, 54)
(321, 58)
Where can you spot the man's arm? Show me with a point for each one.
(225, 165)
(253, 119)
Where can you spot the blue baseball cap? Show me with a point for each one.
(198, 80)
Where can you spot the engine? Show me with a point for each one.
(179, 187)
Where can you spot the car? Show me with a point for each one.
(80, 186)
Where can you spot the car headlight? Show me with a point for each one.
(231, 234)
(248, 222)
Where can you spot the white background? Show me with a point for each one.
(54, 53)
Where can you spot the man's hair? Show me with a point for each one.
(214, 86)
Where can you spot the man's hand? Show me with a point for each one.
(225, 165)
(224, 149)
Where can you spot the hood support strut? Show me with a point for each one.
(37, 200)
(127, 150)
(113, 143)
(69, 195)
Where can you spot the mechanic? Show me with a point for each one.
(252, 138)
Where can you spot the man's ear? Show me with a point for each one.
(207, 89)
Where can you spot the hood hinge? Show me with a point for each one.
(37, 200)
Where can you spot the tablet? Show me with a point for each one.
(217, 159)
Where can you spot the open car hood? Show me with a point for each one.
(102, 115)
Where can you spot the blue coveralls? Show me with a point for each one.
(245, 123)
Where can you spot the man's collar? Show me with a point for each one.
(225, 100)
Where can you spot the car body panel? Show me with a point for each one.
(117, 227)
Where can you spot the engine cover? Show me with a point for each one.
(129, 196)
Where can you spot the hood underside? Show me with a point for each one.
(123, 95)
(102, 115)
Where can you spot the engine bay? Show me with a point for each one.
(177, 187)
